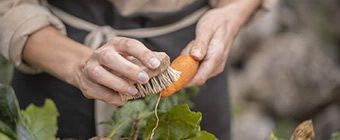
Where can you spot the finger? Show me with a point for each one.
(204, 34)
(220, 68)
(226, 39)
(110, 97)
(95, 91)
(137, 49)
(107, 79)
(117, 63)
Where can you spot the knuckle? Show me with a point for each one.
(97, 53)
(87, 92)
(94, 71)
(132, 42)
(146, 54)
(122, 43)
(87, 96)
(106, 57)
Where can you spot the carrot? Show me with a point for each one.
(188, 67)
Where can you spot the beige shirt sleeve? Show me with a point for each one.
(19, 19)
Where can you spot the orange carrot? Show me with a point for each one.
(188, 67)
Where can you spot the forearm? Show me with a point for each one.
(54, 53)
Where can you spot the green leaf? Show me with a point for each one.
(177, 124)
(204, 135)
(4, 137)
(6, 130)
(41, 121)
(273, 136)
(9, 108)
(23, 132)
(179, 98)
(123, 118)
(9, 111)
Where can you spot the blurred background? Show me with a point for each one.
(284, 68)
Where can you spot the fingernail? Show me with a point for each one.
(132, 90)
(154, 62)
(143, 77)
(196, 52)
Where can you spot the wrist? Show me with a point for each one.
(54, 53)
(76, 59)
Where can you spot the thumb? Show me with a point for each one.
(201, 43)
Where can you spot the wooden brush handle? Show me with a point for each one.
(165, 63)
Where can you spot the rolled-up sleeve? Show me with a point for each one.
(17, 21)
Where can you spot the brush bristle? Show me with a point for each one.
(155, 85)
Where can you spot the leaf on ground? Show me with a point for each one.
(177, 124)
(41, 121)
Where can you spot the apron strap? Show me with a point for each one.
(100, 34)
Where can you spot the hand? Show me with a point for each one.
(107, 72)
(215, 33)
(100, 74)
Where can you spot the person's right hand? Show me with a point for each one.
(107, 72)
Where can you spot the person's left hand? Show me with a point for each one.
(215, 33)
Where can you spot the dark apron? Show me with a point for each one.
(76, 118)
